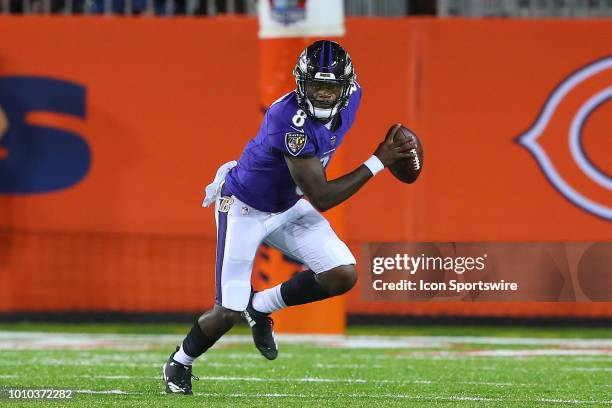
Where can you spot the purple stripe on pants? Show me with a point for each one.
(221, 235)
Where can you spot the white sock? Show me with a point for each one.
(183, 358)
(269, 300)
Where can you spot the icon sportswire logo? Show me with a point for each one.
(563, 120)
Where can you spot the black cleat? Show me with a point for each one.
(261, 328)
(177, 376)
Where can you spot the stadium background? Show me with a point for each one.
(111, 125)
(167, 100)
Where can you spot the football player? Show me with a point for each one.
(272, 194)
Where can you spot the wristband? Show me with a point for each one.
(374, 165)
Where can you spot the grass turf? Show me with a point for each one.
(306, 375)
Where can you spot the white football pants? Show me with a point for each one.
(299, 232)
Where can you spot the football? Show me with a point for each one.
(408, 170)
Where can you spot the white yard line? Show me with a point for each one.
(105, 392)
(590, 369)
(43, 340)
(592, 359)
(502, 353)
(120, 377)
(495, 384)
(535, 353)
(561, 401)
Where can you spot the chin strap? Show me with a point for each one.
(320, 113)
(325, 113)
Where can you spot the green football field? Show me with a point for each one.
(120, 365)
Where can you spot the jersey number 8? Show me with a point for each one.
(299, 118)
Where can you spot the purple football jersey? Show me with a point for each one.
(262, 179)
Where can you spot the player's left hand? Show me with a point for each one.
(394, 148)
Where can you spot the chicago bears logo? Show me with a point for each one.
(295, 142)
(571, 139)
(38, 158)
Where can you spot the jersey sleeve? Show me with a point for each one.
(289, 133)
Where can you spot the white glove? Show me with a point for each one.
(214, 189)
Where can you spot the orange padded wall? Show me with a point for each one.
(168, 100)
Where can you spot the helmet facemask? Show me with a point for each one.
(324, 98)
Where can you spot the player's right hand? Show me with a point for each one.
(392, 150)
